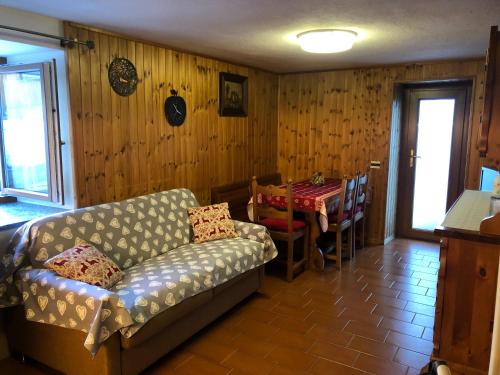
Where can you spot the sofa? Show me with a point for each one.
(171, 289)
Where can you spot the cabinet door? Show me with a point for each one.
(469, 303)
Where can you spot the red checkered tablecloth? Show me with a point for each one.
(310, 197)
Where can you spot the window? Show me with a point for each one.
(29, 132)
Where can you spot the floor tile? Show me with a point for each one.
(366, 331)
(394, 313)
(402, 327)
(411, 358)
(291, 339)
(323, 366)
(247, 364)
(291, 358)
(198, 365)
(419, 308)
(373, 317)
(409, 342)
(428, 334)
(417, 298)
(252, 346)
(427, 284)
(424, 320)
(210, 350)
(376, 348)
(379, 366)
(334, 352)
(410, 288)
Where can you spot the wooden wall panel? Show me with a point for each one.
(338, 121)
(124, 147)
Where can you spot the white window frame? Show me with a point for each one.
(52, 134)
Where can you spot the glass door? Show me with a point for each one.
(432, 162)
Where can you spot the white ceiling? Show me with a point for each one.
(260, 33)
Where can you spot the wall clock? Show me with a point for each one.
(175, 109)
(122, 76)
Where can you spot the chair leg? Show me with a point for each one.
(362, 233)
(338, 249)
(289, 261)
(306, 245)
(350, 241)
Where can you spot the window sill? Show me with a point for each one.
(15, 214)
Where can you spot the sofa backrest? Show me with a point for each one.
(129, 231)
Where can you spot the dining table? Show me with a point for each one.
(316, 202)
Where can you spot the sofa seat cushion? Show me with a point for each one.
(161, 282)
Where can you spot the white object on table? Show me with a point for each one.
(496, 185)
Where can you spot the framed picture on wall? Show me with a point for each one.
(233, 95)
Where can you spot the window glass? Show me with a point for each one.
(24, 132)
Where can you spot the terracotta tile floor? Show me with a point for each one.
(375, 317)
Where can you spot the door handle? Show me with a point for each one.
(412, 157)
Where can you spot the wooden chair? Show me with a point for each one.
(359, 211)
(280, 222)
(342, 219)
(238, 194)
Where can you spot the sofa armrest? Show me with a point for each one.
(49, 298)
(258, 233)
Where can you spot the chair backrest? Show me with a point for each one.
(347, 198)
(361, 191)
(262, 208)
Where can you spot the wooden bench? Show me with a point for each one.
(238, 194)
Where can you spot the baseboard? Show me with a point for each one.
(388, 239)
(374, 242)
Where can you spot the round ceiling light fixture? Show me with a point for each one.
(327, 40)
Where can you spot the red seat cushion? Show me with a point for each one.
(333, 216)
(281, 225)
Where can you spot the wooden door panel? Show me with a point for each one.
(460, 92)
(471, 277)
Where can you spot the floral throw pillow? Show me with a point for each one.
(211, 223)
(85, 263)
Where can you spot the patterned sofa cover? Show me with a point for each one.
(149, 238)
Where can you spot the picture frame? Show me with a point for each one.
(233, 95)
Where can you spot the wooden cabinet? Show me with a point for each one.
(489, 138)
(467, 283)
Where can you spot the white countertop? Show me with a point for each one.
(468, 211)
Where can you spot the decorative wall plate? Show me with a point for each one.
(122, 76)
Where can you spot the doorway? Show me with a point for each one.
(432, 155)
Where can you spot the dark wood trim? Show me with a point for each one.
(488, 89)
(464, 234)
(461, 91)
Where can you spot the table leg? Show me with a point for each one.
(316, 259)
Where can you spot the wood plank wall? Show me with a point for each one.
(124, 147)
(337, 121)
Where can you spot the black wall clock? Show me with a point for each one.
(122, 76)
(175, 109)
